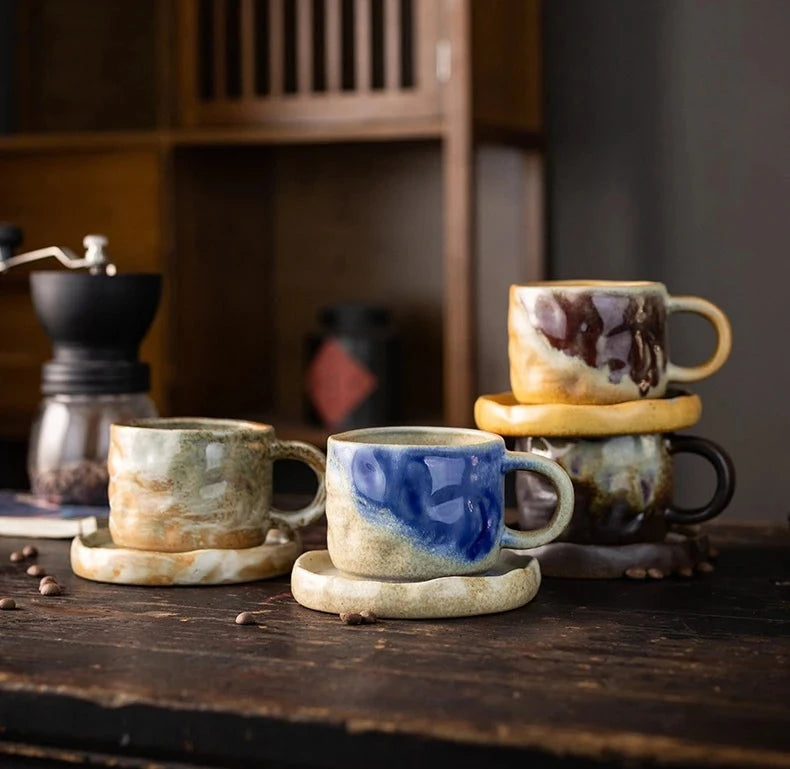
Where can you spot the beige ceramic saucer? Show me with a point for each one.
(317, 584)
(96, 557)
(504, 415)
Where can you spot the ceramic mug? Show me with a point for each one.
(623, 486)
(598, 342)
(190, 484)
(423, 502)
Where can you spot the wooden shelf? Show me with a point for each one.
(322, 174)
(325, 132)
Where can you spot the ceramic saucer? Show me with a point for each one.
(97, 558)
(504, 415)
(682, 554)
(317, 584)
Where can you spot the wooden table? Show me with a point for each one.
(692, 673)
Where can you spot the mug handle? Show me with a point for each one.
(719, 321)
(725, 478)
(316, 461)
(522, 460)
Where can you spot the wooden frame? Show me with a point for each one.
(305, 103)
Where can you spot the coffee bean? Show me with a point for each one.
(30, 551)
(713, 553)
(7, 603)
(686, 572)
(705, 567)
(351, 618)
(16, 557)
(655, 574)
(635, 573)
(36, 570)
(246, 618)
(50, 588)
(368, 617)
(45, 580)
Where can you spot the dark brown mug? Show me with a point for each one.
(623, 486)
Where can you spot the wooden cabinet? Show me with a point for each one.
(273, 157)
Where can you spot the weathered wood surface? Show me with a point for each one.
(669, 672)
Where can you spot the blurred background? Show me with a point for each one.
(275, 157)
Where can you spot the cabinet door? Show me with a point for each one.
(266, 61)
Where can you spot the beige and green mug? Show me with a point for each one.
(190, 484)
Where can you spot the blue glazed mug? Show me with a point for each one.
(417, 503)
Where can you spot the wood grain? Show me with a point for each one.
(666, 673)
(334, 63)
(222, 331)
(392, 44)
(88, 65)
(219, 54)
(304, 46)
(460, 340)
(507, 65)
(362, 43)
(276, 47)
(248, 52)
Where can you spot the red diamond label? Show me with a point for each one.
(337, 383)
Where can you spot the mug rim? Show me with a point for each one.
(583, 284)
(196, 425)
(375, 436)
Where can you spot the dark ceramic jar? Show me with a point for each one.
(352, 368)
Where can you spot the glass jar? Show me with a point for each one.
(70, 440)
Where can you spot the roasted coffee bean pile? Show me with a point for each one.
(77, 483)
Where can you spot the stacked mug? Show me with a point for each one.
(594, 389)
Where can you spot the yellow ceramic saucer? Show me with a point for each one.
(504, 415)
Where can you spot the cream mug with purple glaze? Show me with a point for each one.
(599, 342)
(191, 484)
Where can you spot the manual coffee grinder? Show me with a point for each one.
(96, 320)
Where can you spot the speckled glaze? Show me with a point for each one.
(600, 342)
(191, 484)
(97, 558)
(511, 582)
(623, 486)
(417, 503)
